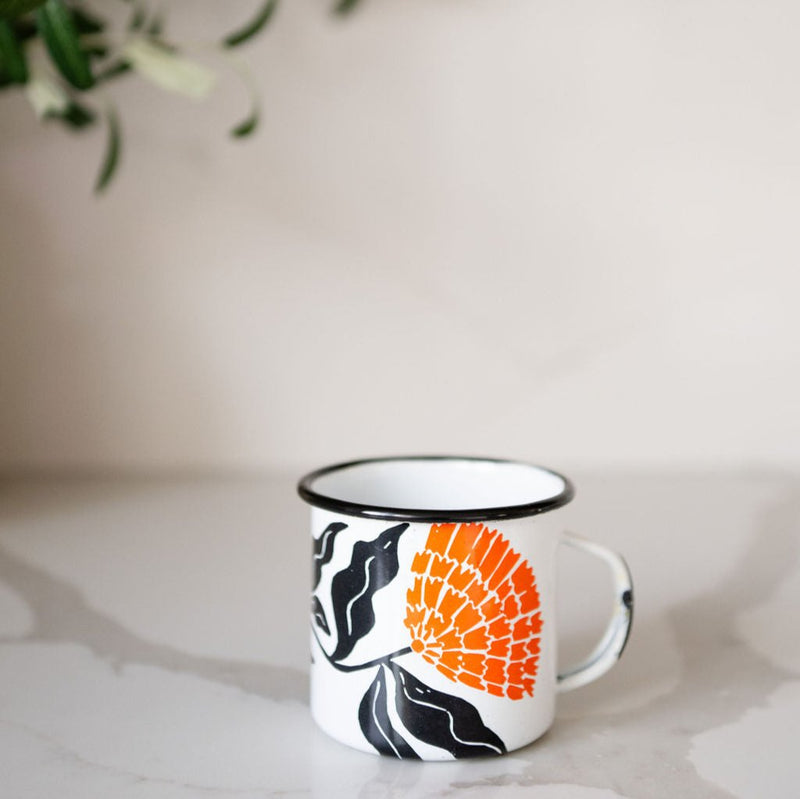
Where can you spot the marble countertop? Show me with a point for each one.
(154, 645)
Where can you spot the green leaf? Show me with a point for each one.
(24, 29)
(111, 158)
(114, 70)
(86, 22)
(12, 56)
(97, 50)
(57, 28)
(77, 116)
(345, 6)
(248, 126)
(251, 122)
(168, 69)
(13, 8)
(255, 26)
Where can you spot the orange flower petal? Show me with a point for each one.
(439, 537)
(506, 565)
(450, 603)
(468, 617)
(495, 671)
(473, 610)
(471, 680)
(493, 557)
(452, 639)
(481, 547)
(433, 588)
(499, 647)
(511, 606)
(420, 563)
(440, 566)
(500, 627)
(464, 541)
(477, 639)
(473, 662)
(491, 608)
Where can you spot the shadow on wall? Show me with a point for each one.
(74, 369)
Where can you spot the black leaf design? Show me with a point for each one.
(323, 549)
(442, 720)
(372, 567)
(318, 613)
(373, 716)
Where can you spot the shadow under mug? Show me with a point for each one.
(433, 608)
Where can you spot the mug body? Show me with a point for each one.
(433, 604)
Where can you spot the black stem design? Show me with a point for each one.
(385, 659)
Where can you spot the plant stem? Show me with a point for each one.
(386, 659)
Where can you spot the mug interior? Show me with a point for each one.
(433, 488)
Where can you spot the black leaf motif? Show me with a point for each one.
(373, 716)
(318, 612)
(372, 567)
(442, 720)
(323, 549)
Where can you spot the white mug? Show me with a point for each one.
(433, 608)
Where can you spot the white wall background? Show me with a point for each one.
(561, 230)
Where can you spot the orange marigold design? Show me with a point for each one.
(473, 611)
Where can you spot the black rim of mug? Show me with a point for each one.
(314, 498)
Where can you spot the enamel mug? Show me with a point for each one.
(433, 623)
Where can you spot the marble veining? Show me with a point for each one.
(756, 755)
(89, 706)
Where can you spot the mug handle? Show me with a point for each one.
(610, 647)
